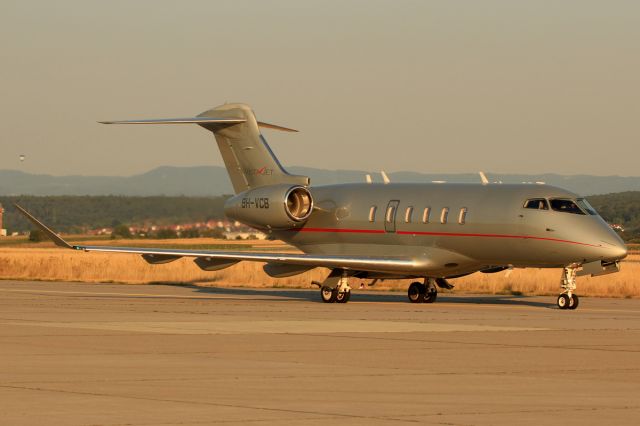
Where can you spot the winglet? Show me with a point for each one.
(52, 235)
(483, 178)
(385, 178)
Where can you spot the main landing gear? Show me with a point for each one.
(568, 300)
(335, 289)
(426, 292)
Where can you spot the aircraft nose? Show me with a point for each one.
(614, 251)
(620, 251)
(614, 246)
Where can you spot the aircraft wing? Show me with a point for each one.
(214, 260)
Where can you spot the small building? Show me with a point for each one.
(3, 232)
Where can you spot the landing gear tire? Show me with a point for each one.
(422, 293)
(573, 301)
(430, 295)
(328, 294)
(563, 301)
(416, 292)
(343, 297)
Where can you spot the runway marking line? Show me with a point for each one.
(271, 326)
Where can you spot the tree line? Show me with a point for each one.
(622, 208)
(77, 214)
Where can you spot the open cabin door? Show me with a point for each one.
(390, 216)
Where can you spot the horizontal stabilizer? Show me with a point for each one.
(190, 120)
(199, 120)
(243, 147)
(275, 127)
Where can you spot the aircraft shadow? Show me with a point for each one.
(312, 295)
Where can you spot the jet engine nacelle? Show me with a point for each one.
(271, 207)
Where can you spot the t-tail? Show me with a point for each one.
(247, 156)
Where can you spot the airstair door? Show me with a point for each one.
(390, 216)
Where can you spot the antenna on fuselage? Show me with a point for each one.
(509, 271)
(483, 178)
(385, 178)
(367, 178)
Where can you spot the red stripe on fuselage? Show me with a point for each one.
(351, 231)
(439, 234)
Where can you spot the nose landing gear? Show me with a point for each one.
(568, 300)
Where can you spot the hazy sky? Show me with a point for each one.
(432, 86)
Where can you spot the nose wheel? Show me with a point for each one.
(567, 299)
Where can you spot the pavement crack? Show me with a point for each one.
(213, 404)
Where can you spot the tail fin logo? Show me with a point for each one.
(263, 171)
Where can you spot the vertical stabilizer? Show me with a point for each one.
(246, 154)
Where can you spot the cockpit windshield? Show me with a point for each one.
(584, 205)
(565, 206)
(536, 204)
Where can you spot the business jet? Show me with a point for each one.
(424, 232)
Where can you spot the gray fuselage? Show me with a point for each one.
(494, 229)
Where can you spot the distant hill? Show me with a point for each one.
(168, 181)
(213, 180)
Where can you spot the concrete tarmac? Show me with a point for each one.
(105, 354)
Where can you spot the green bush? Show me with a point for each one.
(165, 234)
(37, 235)
(121, 231)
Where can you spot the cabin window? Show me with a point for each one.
(536, 204)
(407, 214)
(372, 213)
(462, 217)
(425, 214)
(444, 214)
(390, 214)
(565, 206)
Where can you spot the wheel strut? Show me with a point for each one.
(567, 299)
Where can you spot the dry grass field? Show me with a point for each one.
(44, 262)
